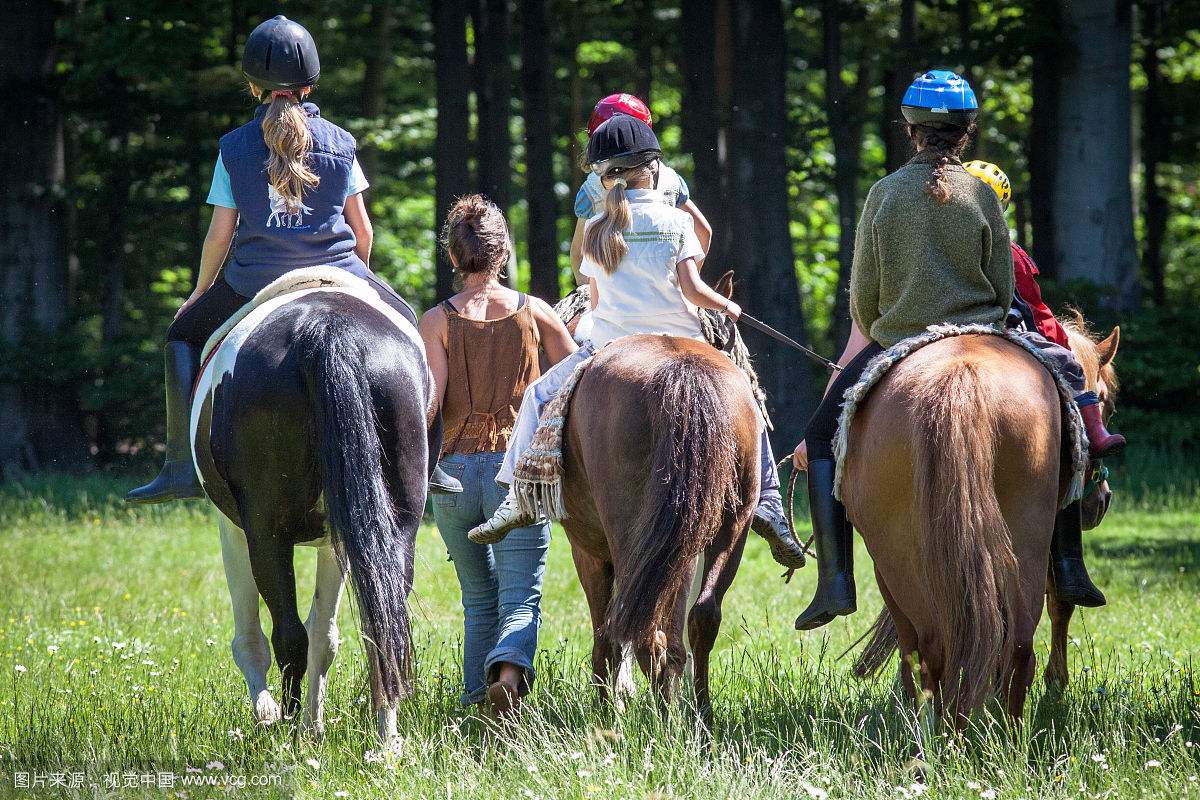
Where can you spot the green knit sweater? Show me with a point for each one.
(918, 263)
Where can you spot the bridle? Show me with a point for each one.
(1097, 474)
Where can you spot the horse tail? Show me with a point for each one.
(879, 648)
(971, 574)
(366, 527)
(693, 479)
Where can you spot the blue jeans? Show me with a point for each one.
(501, 583)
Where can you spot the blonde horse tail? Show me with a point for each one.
(693, 479)
(970, 573)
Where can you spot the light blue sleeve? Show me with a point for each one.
(221, 194)
(588, 197)
(358, 180)
(684, 194)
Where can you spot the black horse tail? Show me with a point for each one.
(365, 523)
(692, 481)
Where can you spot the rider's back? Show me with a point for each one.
(919, 262)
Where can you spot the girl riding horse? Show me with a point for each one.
(640, 259)
(931, 247)
(289, 185)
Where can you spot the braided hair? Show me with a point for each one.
(946, 143)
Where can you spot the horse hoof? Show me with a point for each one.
(266, 710)
(314, 731)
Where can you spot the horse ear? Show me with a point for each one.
(725, 285)
(1107, 349)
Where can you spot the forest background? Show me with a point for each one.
(780, 115)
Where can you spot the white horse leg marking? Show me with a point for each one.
(385, 714)
(323, 637)
(251, 650)
(623, 686)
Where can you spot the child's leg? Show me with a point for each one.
(537, 395)
(770, 520)
(187, 334)
(1062, 358)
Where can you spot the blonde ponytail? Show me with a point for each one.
(285, 130)
(603, 241)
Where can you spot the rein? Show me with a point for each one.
(789, 498)
(1097, 475)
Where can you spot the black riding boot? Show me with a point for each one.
(177, 480)
(1072, 583)
(834, 537)
(439, 481)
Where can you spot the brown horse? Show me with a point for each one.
(661, 471)
(1096, 358)
(954, 477)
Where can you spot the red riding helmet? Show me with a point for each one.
(618, 104)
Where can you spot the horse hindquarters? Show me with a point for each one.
(374, 535)
(693, 482)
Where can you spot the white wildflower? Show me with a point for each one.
(1153, 764)
(1098, 758)
(312, 762)
(52, 649)
(215, 766)
(815, 792)
(20, 668)
(988, 794)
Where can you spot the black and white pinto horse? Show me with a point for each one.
(308, 428)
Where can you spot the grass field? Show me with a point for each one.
(114, 637)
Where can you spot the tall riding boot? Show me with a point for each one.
(835, 595)
(177, 480)
(1071, 580)
(439, 481)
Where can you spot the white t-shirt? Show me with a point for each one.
(642, 295)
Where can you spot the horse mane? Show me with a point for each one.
(1085, 348)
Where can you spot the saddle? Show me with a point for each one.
(1075, 444)
(295, 281)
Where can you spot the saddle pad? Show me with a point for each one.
(295, 281)
(537, 478)
(879, 366)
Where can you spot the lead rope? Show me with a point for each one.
(789, 498)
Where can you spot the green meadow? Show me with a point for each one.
(115, 668)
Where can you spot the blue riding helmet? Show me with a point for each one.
(941, 99)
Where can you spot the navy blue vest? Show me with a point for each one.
(273, 239)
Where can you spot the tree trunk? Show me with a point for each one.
(41, 426)
(761, 240)
(1093, 200)
(493, 91)
(1155, 139)
(451, 145)
(843, 108)
(700, 120)
(644, 32)
(1043, 137)
(375, 74)
(539, 151)
(896, 80)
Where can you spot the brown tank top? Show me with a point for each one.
(490, 364)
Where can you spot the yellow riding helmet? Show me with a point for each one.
(994, 177)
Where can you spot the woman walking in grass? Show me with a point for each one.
(482, 346)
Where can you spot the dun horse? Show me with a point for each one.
(661, 479)
(310, 420)
(954, 476)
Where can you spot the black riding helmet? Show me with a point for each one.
(281, 55)
(622, 143)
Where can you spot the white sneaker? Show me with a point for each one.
(508, 517)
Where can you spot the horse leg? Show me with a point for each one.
(721, 561)
(1060, 611)
(596, 578)
(664, 659)
(323, 637)
(270, 549)
(251, 651)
